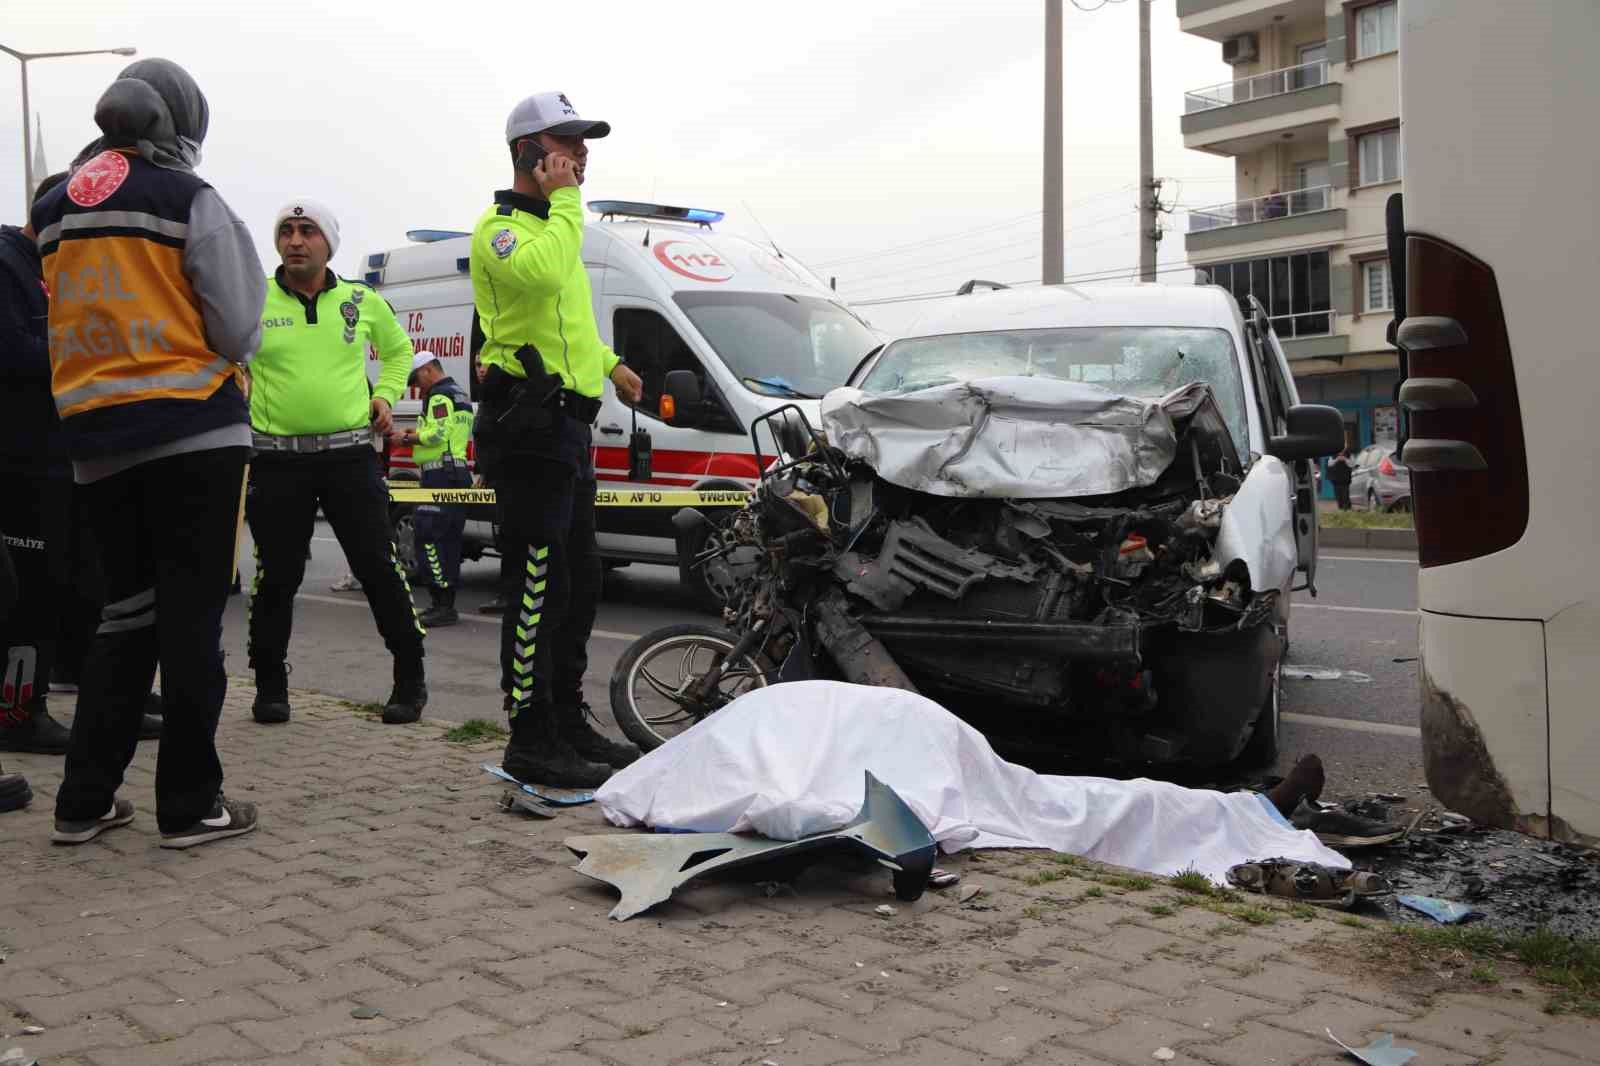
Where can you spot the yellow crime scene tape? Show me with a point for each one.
(410, 492)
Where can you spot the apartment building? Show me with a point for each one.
(1311, 120)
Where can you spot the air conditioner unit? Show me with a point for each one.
(1240, 49)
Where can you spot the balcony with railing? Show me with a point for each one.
(1233, 116)
(1262, 208)
(1257, 87)
(1263, 218)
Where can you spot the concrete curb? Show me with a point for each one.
(1388, 539)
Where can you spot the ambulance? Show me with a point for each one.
(754, 327)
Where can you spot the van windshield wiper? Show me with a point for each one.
(777, 387)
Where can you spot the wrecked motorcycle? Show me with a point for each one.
(1110, 624)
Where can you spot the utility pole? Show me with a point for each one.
(1054, 189)
(29, 178)
(1149, 190)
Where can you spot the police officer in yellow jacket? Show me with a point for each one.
(439, 448)
(314, 419)
(547, 368)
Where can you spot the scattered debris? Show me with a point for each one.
(1308, 882)
(1164, 1054)
(1381, 1052)
(939, 878)
(559, 797)
(774, 1042)
(366, 1012)
(17, 1057)
(32, 1030)
(647, 868)
(883, 910)
(525, 804)
(1443, 911)
(1514, 882)
(1002, 988)
(1323, 673)
(970, 893)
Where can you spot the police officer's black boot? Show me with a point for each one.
(538, 755)
(30, 728)
(410, 693)
(272, 695)
(443, 610)
(573, 722)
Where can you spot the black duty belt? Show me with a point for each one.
(584, 408)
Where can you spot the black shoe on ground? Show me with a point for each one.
(410, 695)
(272, 695)
(228, 818)
(538, 755)
(1340, 828)
(576, 728)
(14, 792)
(121, 813)
(31, 729)
(443, 610)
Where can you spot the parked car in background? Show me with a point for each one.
(1380, 482)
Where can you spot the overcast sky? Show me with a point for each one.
(847, 128)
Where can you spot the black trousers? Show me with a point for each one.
(281, 508)
(550, 570)
(1341, 495)
(166, 531)
(36, 522)
(439, 527)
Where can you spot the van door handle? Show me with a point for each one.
(613, 429)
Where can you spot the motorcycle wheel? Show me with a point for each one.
(654, 671)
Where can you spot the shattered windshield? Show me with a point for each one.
(1144, 361)
(777, 344)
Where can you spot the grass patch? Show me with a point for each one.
(1034, 911)
(1568, 967)
(633, 1032)
(371, 710)
(1250, 915)
(1363, 520)
(1192, 880)
(1132, 882)
(1352, 921)
(1304, 911)
(473, 730)
(1065, 860)
(1045, 877)
(1094, 893)
(1161, 910)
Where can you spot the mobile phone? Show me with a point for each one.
(530, 153)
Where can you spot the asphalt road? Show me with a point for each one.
(1363, 620)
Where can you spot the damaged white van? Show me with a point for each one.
(1086, 507)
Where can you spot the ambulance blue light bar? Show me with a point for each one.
(428, 236)
(635, 209)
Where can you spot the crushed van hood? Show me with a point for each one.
(1011, 437)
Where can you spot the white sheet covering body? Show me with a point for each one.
(788, 761)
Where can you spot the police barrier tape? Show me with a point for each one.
(409, 492)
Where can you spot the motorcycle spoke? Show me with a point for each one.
(675, 695)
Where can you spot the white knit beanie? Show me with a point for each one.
(316, 212)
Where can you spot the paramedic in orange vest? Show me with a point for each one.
(155, 307)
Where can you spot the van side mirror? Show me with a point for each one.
(1314, 430)
(680, 398)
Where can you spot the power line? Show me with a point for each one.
(1122, 234)
(915, 266)
(826, 264)
(1111, 275)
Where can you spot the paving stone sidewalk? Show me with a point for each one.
(383, 876)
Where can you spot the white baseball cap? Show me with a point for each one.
(551, 113)
(420, 360)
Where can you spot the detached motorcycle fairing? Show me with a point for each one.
(648, 869)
